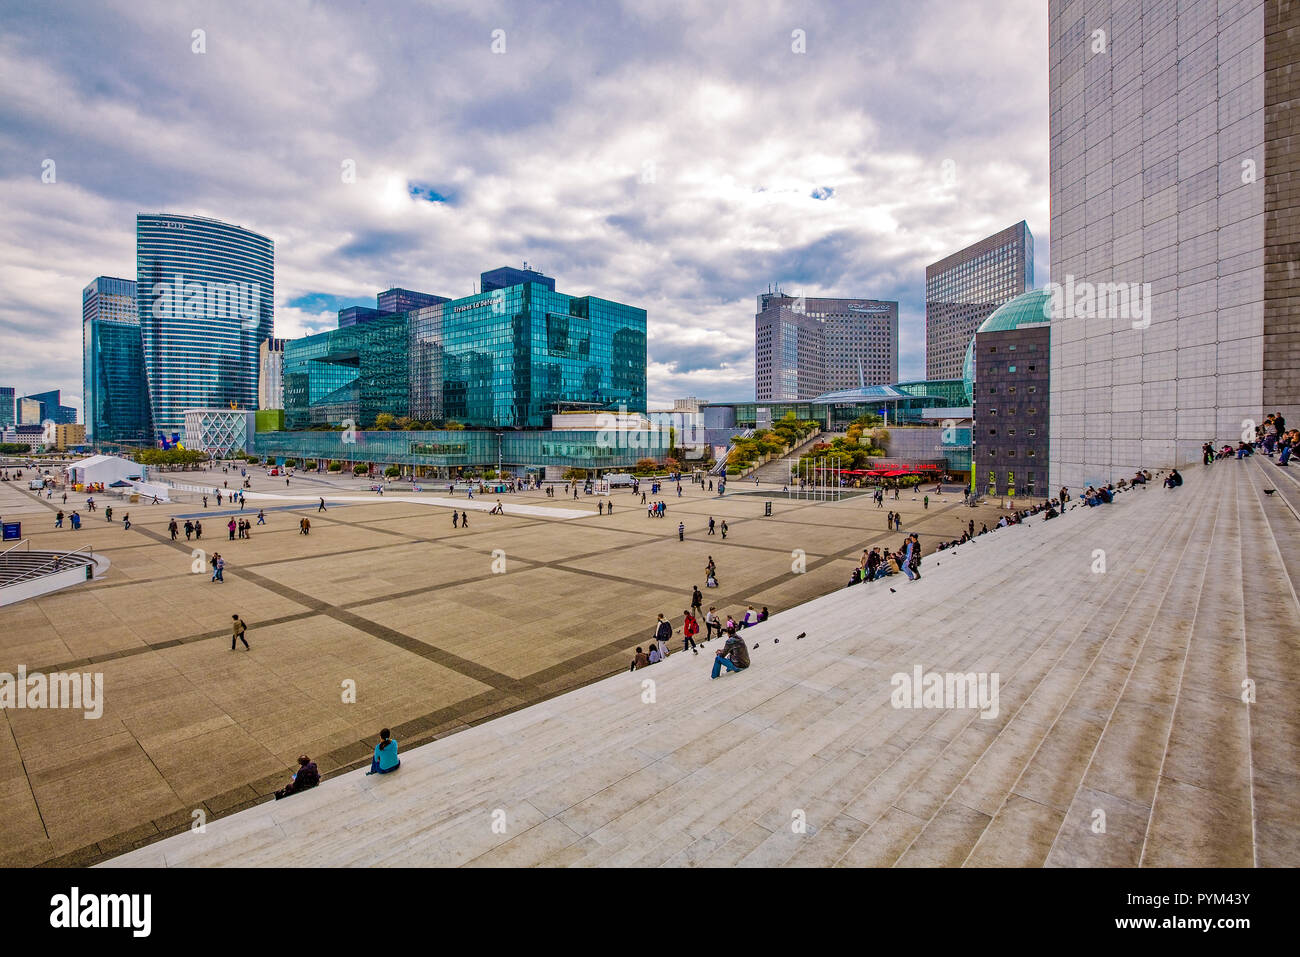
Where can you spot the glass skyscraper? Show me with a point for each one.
(512, 356)
(8, 417)
(45, 407)
(354, 372)
(962, 290)
(205, 293)
(113, 379)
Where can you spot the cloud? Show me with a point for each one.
(674, 156)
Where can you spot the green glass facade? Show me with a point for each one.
(511, 357)
(116, 397)
(451, 449)
(355, 372)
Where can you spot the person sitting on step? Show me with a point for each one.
(385, 759)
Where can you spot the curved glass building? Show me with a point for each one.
(204, 294)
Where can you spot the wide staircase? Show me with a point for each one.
(777, 471)
(26, 572)
(1147, 651)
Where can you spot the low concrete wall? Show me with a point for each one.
(21, 591)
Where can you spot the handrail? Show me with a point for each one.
(25, 541)
(90, 559)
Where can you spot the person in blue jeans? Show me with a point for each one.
(385, 759)
(734, 655)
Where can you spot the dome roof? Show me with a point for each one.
(1030, 307)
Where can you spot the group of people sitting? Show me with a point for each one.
(734, 651)
(1272, 438)
(383, 761)
(878, 563)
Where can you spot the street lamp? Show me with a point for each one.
(499, 435)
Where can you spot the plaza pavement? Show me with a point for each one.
(1146, 656)
(384, 594)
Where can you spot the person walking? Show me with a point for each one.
(261, 517)
(724, 529)
(198, 529)
(108, 514)
(58, 519)
(697, 599)
(230, 526)
(173, 528)
(927, 501)
(189, 530)
(690, 628)
(321, 507)
(711, 622)
(238, 631)
(710, 524)
(455, 519)
(663, 632)
(126, 522)
(218, 567)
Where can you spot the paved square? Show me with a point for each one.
(435, 628)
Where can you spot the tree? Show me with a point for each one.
(385, 421)
(647, 465)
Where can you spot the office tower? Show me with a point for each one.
(205, 293)
(270, 374)
(963, 289)
(8, 416)
(115, 392)
(45, 407)
(352, 315)
(806, 346)
(512, 356)
(861, 341)
(1174, 231)
(506, 276)
(789, 350)
(404, 300)
(354, 372)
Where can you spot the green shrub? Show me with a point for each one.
(336, 466)
(360, 469)
(392, 471)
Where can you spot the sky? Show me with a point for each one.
(676, 156)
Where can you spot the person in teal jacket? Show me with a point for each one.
(385, 758)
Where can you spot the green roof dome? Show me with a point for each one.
(1030, 307)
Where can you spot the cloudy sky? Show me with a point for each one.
(678, 156)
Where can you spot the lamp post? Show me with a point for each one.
(499, 435)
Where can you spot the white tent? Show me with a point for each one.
(103, 468)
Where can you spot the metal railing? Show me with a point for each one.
(56, 561)
(25, 541)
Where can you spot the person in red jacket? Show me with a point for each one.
(690, 628)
